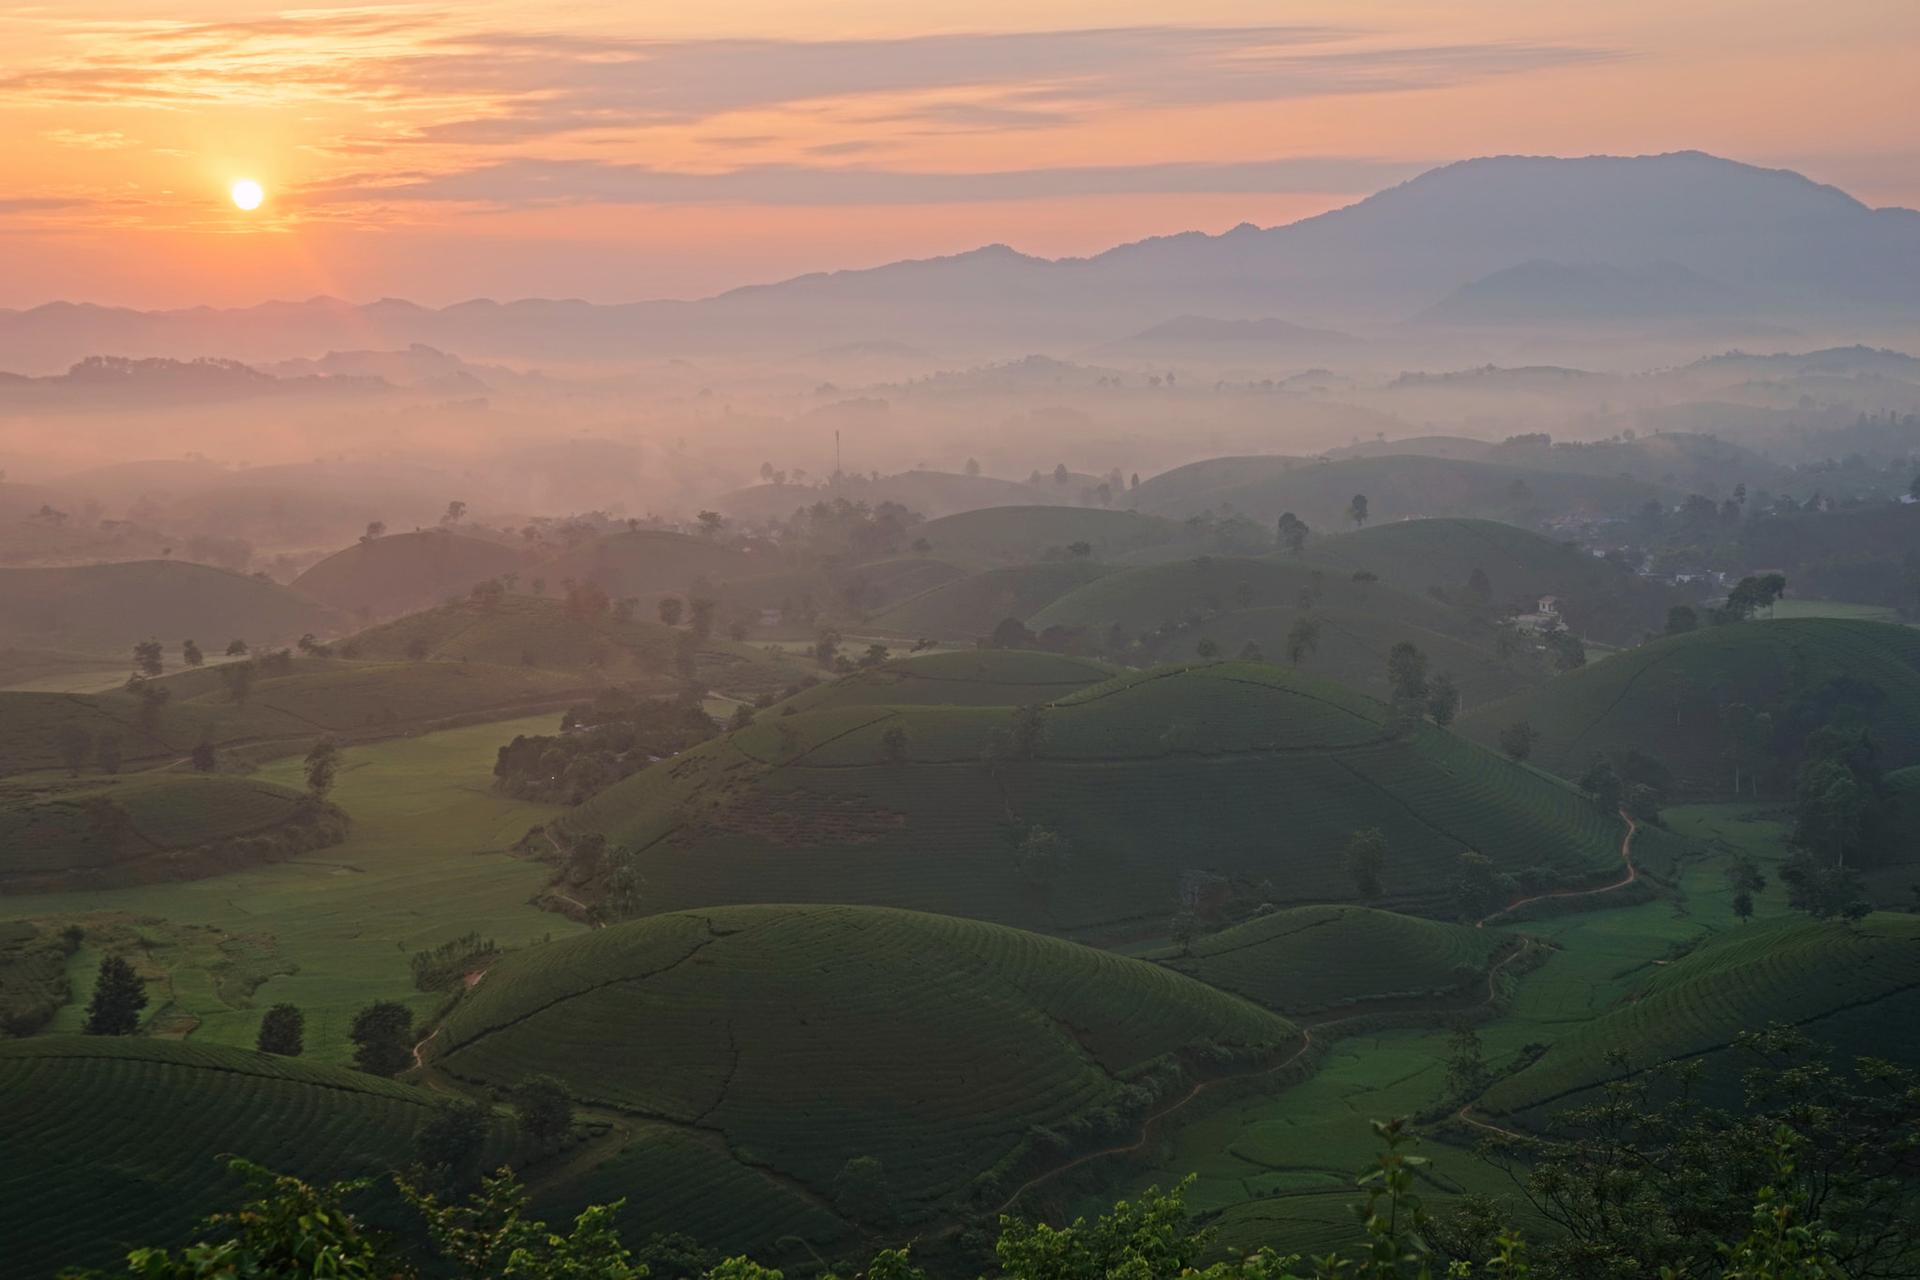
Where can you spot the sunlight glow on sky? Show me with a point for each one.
(624, 151)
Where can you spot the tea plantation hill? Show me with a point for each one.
(1597, 600)
(960, 678)
(931, 493)
(115, 1143)
(648, 563)
(1396, 487)
(317, 697)
(962, 1056)
(1155, 780)
(167, 826)
(1000, 534)
(970, 608)
(1672, 697)
(108, 608)
(1170, 609)
(1854, 986)
(400, 572)
(535, 632)
(1344, 961)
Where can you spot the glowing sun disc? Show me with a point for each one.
(247, 194)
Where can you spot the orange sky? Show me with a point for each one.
(635, 150)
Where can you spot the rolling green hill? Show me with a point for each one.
(998, 534)
(1396, 487)
(116, 1143)
(646, 563)
(1171, 608)
(154, 826)
(969, 608)
(1170, 780)
(533, 632)
(1856, 987)
(962, 678)
(405, 571)
(351, 700)
(1419, 556)
(1669, 697)
(955, 1053)
(1315, 959)
(107, 608)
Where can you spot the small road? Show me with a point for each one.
(1626, 856)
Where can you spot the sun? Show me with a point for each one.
(247, 193)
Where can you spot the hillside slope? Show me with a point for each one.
(1163, 783)
(1672, 698)
(750, 1017)
(108, 608)
(405, 571)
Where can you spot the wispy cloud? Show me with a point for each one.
(535, 182)
(507, 87)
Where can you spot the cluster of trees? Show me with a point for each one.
(600, 742)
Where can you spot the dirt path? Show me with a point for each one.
(1626, 856)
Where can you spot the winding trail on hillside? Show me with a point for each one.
(1626, 856)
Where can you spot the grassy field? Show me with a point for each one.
(1796, 608)
(105, 609)
(648, 563)
(425, 861)
(1158, 780)
(960, 678)
(1670, 696)
(955, 1053)
(117, 1143)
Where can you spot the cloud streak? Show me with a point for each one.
(522, 183)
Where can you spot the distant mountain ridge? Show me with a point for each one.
(1792, 250)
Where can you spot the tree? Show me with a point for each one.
(1517, 740)
(543, 1109)
(1292, 532)
(1029, 731)
(1407, 672)
(1467, 1073)
(322, 763)
(204, 758)
(1042, 855)
(238, 677)
(1443, 699)
(1010, 633)
(455, 513)
(1357, 509)
(875, 655)
(148, 658)
(75, 746)
(1250, 652)
(973, 467)
(236, 648)
(826, 648)
(283, 1030)
(1302, 639)
(1682, 618)
(1366, 860)
(862, 1193)
(1080, 550)
(191, 655)
(1207, 649)
(893, 745)
(670, 609)
(451, 1140)
(1479, 590)
(106, 752)
(1060, 473)
(700, 616)
(118, 998)
(711, 522)
(1479, 888)
(376, 529)
(382, 1035)
(1603, 784)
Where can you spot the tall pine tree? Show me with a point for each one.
(118, 998)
